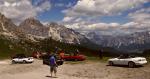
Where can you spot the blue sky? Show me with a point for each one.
(55, 13)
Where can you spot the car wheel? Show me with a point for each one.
(24, 61)
(131, 64)
(13, 62)
(111, 63)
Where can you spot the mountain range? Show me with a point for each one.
(33, 29)
(31, 35)
(131, 42)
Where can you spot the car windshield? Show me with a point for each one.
(125, 56)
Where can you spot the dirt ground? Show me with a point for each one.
(84, 70)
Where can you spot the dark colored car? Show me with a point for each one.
(47, 62)
(74, 57)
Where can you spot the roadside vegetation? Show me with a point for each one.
(10, 47)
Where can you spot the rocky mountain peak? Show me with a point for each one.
(53, 24)
(91, 34)
(6, 25)
(61, 33)
(32, 21)
(34, 27)
(57, 26)
(2, 17)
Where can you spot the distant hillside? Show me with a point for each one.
(137, 41)
(10, 47)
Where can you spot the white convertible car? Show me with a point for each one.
(21, 58)
(127, 60)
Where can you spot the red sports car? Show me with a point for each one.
(75, 58)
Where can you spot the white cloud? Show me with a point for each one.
(140, 20)
(68, 19)
(141, 16)
(105, 28)
(18, 10)
(70, 4)
(91, 9)
(100, 28)
(44, 6)
(83, 26)
(6, 4)
(102, 7)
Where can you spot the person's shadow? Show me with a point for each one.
(50, 76)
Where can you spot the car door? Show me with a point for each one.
(126, 61)
(19, 60)
(119, 61)
(116, 61)
(122, 61)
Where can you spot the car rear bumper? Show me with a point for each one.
(141, 63)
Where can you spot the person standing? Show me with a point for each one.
(100, 54)
(76, 52)
(61, 54)
(56, 50)
(53, 65)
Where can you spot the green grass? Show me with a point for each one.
(104, 59)
(92, 58)
(75, 62)
(89, 59)
(148, 59)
